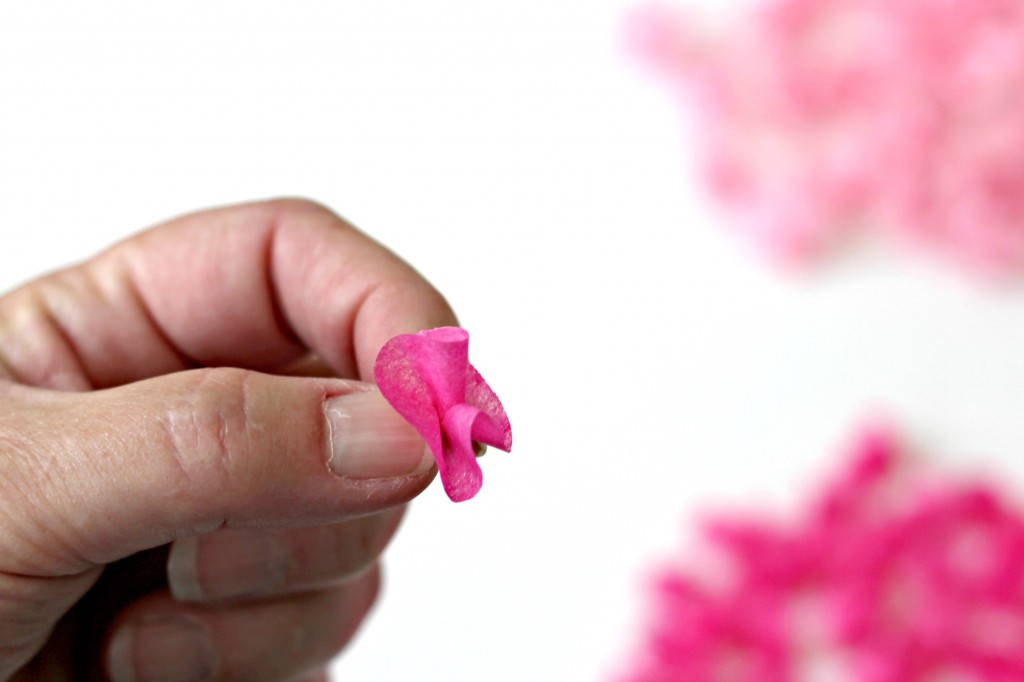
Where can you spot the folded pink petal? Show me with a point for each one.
(496, 430)
(427, 378)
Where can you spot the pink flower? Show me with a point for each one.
(427, 378)
(892, 572)
(819, 118)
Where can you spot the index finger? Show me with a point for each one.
(255, 285)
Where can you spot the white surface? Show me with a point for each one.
(648, 363)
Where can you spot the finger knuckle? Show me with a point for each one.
(36, 347)
(209, 429)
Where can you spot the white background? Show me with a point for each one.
(650, 364)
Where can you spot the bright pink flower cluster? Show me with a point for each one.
(821, 117)
(890, 576)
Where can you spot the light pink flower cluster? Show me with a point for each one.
(892, 575)
(821, 117)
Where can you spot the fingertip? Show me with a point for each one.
(404, 306)
(158, 638)
(174, 646)
(182, 569)
(368, 439)
(120, 656)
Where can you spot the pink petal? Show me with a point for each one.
(459, 470)
(894, 573)
(427, 378)
(398, 375)
(496, 431)
(821, 119)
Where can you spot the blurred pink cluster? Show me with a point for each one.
(891, 575)
(821, 117)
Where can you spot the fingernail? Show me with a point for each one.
(227, 564)
(368, 439)
(165, 649)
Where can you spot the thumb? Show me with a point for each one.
(98, 476)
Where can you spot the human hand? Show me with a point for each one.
(145, 405)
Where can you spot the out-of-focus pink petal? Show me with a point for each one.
(820, 118)
(427, 378)
(891, 574)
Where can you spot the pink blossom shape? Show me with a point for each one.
(818, 119)
(890, 574)
(427, 378)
